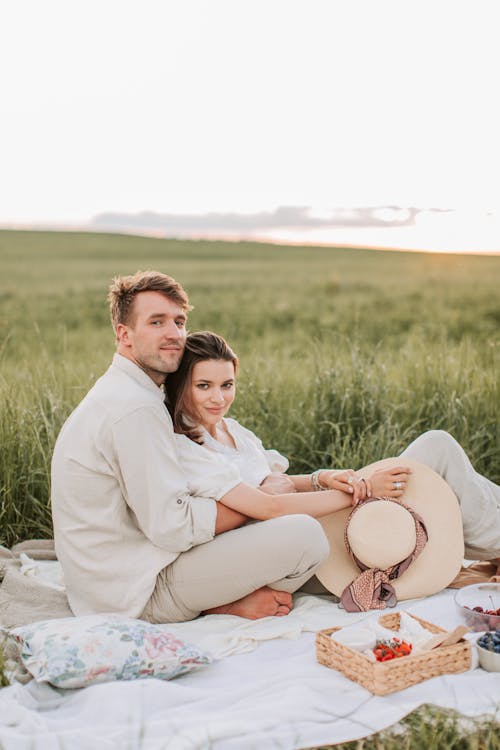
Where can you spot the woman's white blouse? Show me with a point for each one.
(213, 465)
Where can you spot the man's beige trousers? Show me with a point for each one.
(282, 553)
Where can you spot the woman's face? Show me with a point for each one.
(212, 390)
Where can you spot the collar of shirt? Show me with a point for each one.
(135, 372)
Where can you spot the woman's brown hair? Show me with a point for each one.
(200, 347)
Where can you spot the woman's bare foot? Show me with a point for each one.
(495, 578)
(264, 602)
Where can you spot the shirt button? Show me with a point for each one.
(179, 502)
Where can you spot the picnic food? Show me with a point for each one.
(395, 674)
(392, 649)
(486, 611)
(479, 606)
(490, 641)
(484, 618)
(488, 650)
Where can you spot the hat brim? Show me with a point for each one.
(439, 562)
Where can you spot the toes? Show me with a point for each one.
(282, 611)
(283, 597)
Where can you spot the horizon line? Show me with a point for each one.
(233, 239)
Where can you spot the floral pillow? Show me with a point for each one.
(74, 652)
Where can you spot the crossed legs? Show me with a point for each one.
(250, 571)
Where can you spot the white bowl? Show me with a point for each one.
(488, 660)
(485, 595)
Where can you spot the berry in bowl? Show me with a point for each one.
(479, 606)
(488, 650)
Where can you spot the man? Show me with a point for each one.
(130, 536)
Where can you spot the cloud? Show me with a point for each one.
(283, 217)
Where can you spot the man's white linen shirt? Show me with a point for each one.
(122, 507)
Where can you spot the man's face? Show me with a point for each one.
(156, 335)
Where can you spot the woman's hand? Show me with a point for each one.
(345, 481)
(387, 482)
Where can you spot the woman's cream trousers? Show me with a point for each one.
(478, 497)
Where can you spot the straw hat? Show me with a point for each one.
(382, 534)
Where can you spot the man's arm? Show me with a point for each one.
(157, 490)
(228, 519)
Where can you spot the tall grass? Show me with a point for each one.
(4, 680)
(346, 355)
(430, 728)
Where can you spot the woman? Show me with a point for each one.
(200, 394)
(211, 446)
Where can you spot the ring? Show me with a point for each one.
(397, 485)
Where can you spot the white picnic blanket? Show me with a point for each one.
(265, 691)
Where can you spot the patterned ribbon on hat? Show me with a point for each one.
(372, 588)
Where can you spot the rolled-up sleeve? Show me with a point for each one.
(154, 485)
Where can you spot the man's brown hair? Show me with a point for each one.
(124, 289)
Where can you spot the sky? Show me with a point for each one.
(194, 106)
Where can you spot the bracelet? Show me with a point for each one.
(315, 483)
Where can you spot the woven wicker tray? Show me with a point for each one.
(382, 678)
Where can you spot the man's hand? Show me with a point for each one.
(228, 519)
(277, 484)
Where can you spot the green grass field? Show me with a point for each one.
(346, 355)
